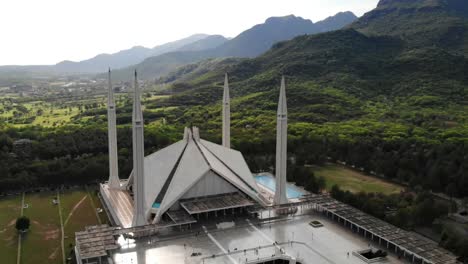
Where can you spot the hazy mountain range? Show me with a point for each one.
(157, 61)
(133, 55)
(249, 43)
(122, 58)
(260, 38)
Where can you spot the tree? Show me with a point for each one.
(465, 203)
(22, 223)
(451, 189)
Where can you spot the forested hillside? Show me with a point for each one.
(421, 23)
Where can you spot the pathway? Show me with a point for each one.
(94, 206)
(61, 226)
(18, 258)
(74, 209)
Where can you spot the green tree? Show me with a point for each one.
(465, 203)
(22, 223)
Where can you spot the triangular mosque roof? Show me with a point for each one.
(171, 172)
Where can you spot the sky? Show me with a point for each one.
(37, 32)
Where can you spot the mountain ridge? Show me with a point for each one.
(250, 43)
(125, 57)
(115, 60)
(362, 62)
(261, 37)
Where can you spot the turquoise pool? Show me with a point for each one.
(270, 183)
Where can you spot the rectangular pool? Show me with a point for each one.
(270, 183)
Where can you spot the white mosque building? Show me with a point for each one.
(194, 179)
(191, 177)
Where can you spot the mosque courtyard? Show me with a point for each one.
(233, 241)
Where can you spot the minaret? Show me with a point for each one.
(114, 181)
(226, 114)
(139, 214)
(281, 146)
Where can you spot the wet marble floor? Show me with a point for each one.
(247, 241)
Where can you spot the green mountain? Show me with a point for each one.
(402, 48)
(421, 23)
(162, 64)
(361, 65)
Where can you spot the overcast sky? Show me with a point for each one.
(49, 31)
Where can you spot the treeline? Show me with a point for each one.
(305, 177)
(440, 167)
(69, 155)
(405, 210)
(456, 242)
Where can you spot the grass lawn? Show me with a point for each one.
(56, 113)
(354, 181)
(77, 212)
(98, 204)
(52, 114)
(10, 209)
(42, 243)
(58, 116)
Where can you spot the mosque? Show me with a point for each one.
(182, 204)
(190, 178)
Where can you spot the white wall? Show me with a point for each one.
(210, 184)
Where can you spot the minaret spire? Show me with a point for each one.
(226, 114)
(281, 146)
(139, 215)
(114, 181)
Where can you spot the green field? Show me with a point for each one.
(97, 204)
(354, 181)
(42, 243)
(77, 212)
(46, 113)
(10, 209)
(51, 115)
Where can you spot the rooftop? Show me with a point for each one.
(95, 241)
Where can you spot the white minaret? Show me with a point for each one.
(114, 181)
(226, 114)
(139, 214)
(281, 146)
